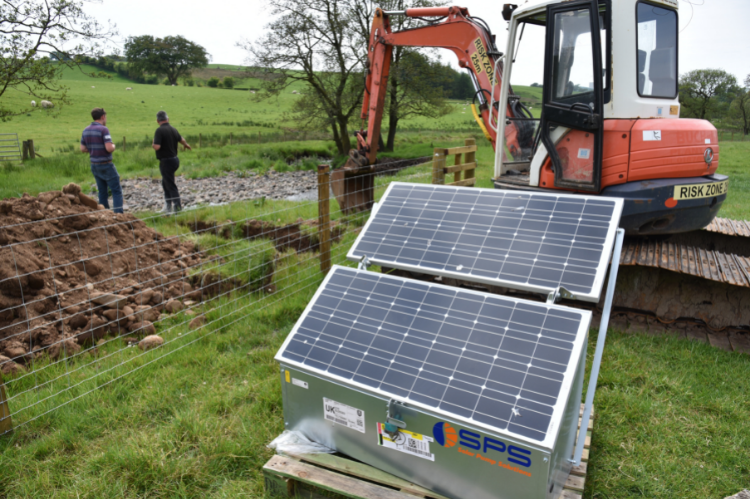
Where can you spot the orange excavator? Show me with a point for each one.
(610, 125)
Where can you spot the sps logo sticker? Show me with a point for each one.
(483, 448)
(445, 434)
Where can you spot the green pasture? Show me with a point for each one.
(193, 418)
(193, 110)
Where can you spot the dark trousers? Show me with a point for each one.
(168, 167)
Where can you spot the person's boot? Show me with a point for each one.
(167, 208)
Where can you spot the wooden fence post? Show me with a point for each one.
(469, 157)
(200, 140)
(438, 166)
(6, 424)
(324, 221)
(32, 152)
(124, 144)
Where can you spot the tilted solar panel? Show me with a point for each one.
(523, 240)
(490, 360)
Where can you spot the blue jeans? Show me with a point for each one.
(108, 179)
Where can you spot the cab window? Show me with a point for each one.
(657, 51)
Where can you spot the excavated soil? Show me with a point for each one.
(72, 272)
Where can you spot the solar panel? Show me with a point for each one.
(522, 240)
(490, 360)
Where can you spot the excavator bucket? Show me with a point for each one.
(353, 184)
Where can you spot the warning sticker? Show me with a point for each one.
(345, 415)
(406, 441)
(584, 153)
(650, 135)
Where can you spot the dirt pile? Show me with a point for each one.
(72, 272)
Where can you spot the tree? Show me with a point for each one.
(699, 90)
(415, 85)
(416, 89)
(37, 41)
(740, 109)
(172, 56)
(312, 41)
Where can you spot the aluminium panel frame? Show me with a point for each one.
(601, 269)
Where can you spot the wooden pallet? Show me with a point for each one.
(316, 476)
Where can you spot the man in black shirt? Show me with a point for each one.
(165, 143)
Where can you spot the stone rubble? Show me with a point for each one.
(142, 194)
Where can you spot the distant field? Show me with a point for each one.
(193, 110)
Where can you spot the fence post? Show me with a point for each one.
(124, 144)
(438, 166)
(324, 222)
(6, 424)
(200, 140)
(470, 157)
(32, 152)
(25, 150)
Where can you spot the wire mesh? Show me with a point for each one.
(88, 296)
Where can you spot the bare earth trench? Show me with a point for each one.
(142, 194)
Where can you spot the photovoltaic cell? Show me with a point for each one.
(523, 240)
(492, 360)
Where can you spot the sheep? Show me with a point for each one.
(47, 104)
(129, 88)
(33, 103)
(294, 91)
(92, 86)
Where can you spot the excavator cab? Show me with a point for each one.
(569, 134)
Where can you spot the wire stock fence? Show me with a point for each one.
(88, 296)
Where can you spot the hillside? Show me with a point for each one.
(194, 110)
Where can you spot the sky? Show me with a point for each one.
(714, 33)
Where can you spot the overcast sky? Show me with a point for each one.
(714, 33)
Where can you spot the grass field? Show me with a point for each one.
(671, 414)
(192, 110)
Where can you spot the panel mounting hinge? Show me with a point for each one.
(559, 294)
(364, 262)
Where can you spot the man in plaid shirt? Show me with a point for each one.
(97, 141)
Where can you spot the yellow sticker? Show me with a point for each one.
(674, 110)
(288, 378)
(698, 191)
(481, 61)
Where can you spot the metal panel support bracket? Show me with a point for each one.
(601, 339)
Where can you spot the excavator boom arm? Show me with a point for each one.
(474, 47)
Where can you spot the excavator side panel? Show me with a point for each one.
(614, 158)
(672, 148)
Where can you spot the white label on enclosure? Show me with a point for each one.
(299, 382)
(584, 153)
(407, 442)
(344, 415)
(651, 135)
